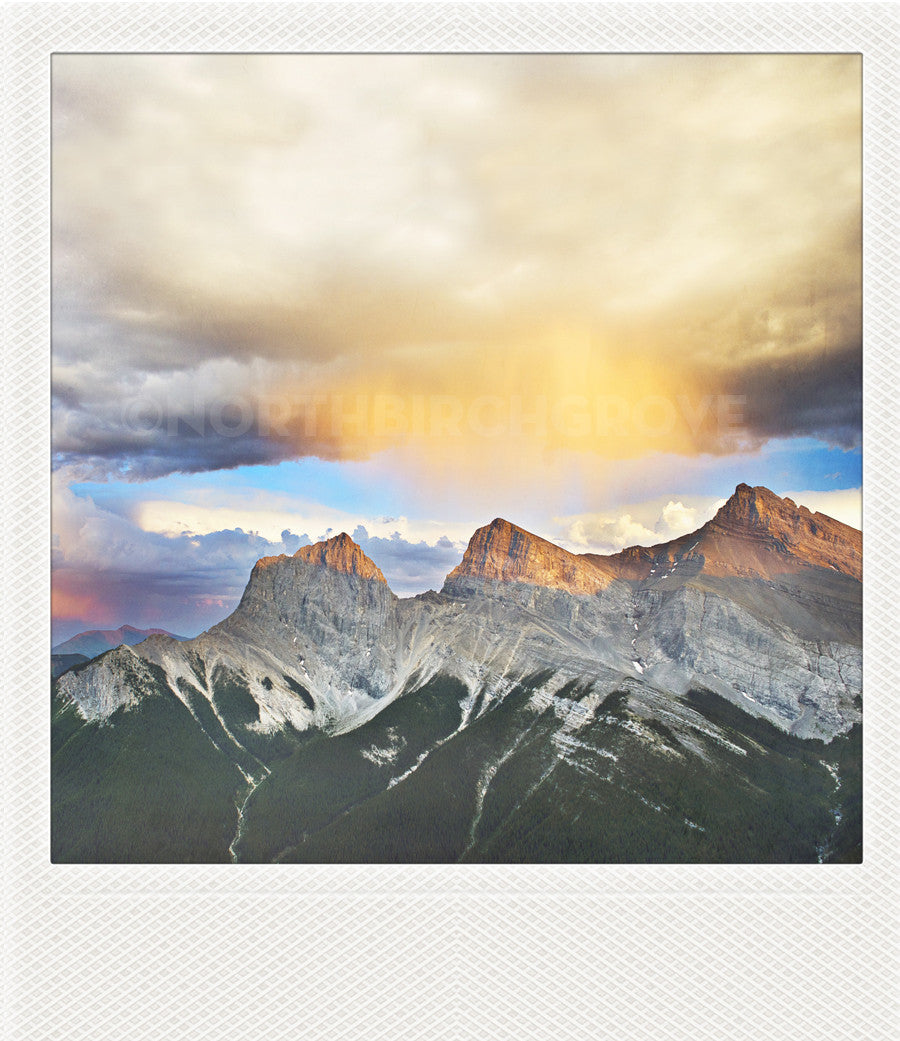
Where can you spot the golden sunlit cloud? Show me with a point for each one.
(454, 256)
(271, 520)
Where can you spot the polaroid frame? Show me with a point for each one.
(416, 951)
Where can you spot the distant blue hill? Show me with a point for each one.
(96, 641)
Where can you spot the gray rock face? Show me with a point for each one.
(694, 637)
(674, 638)
(116, 679)
(317, 645)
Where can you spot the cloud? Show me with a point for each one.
(639, 524)
(108, 569)
(592, 530)
(135, 425)
(410, 567)
(203, 510)
(678, 517)
(819, 395)
(259, 258)
(844, 504)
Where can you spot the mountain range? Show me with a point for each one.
(84, 646)
(698, 700)
(96, 641)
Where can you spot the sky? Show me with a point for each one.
(401, 295)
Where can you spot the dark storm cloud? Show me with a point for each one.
(818, 396)
(111, 421)
(108, 571)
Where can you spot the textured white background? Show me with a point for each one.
(432, 952)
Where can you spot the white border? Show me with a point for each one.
(727, 952)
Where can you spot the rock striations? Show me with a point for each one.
(339, 553)
(342, 554)
(756, 534)
(503, 552)
(777, 536)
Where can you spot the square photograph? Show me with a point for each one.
(456, 458)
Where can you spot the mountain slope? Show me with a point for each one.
(143, 785)
(535, 779)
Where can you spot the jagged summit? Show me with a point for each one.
(505, 552)
(757, 507)
(755, 534)
(792, 533)
(339, 553)
(614, 661)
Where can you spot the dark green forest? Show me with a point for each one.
(156, 783)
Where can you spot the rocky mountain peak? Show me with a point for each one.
(761, 516)
(504, 552)
(341, 553)
(757, 507)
